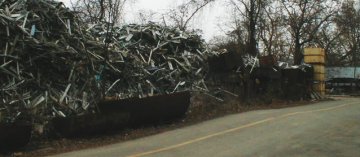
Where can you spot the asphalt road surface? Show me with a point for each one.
(323, 129)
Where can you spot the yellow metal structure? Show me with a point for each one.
(316, 57)
(319, 87)
(319, 77)
(319, 69)
(314, 52)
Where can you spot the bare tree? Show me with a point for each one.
(94, 11)
(271, 30)
(328, 38)
(184, 13)
(348, 24)
(250, 11)
(304, 19)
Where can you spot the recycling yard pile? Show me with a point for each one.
(45, 66)
(53, 65)
(151, 59)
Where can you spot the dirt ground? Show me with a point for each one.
(202, 108)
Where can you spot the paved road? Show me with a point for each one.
(323, 130)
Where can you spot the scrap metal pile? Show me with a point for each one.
(51, 64)
(151, 59)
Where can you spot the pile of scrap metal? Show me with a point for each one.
(261, 76)
(151, 59)
(48, 62)
(53, 65)
(236, 73)
(296, 81)
(282, 80)
(222, 71)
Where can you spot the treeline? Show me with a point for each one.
(282, 28)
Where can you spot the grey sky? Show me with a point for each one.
(207, 20)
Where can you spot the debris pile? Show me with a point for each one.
(52, 64)
(151, 59)
(47, 65)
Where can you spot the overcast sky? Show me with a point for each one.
(207, 20)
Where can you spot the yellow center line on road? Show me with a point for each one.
(236, 129)
(318, 110)
(201, 138)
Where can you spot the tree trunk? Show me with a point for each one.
(252, 47)
(252, 43)
(298, 56)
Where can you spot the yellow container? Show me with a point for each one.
(314, 59)
(314, 52)
(319, 77)
(314, 55)
(319, 68)
(319, 88)
(322, 93)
